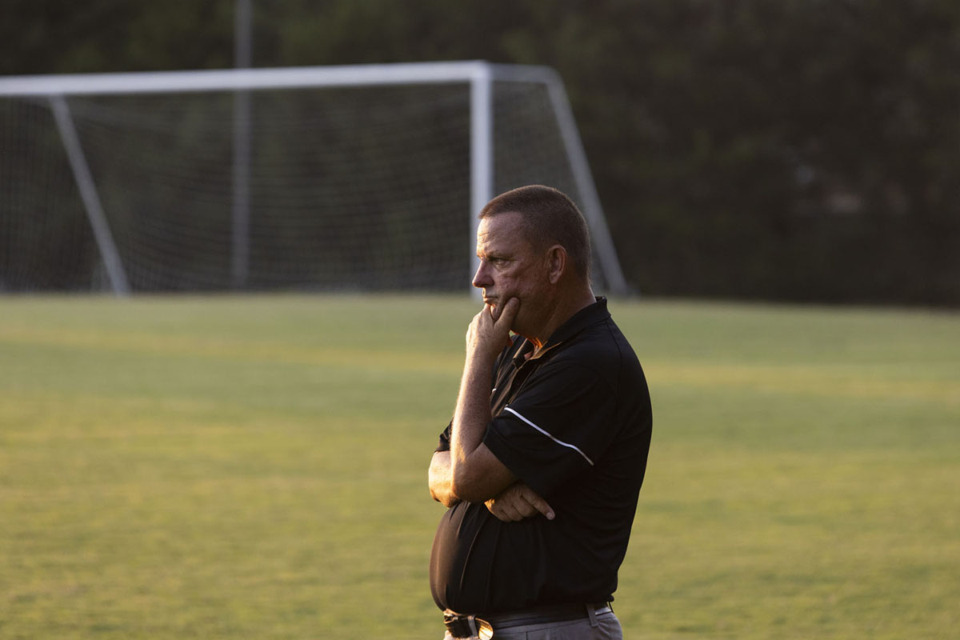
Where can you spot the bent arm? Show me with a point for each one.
(476, 474)
(516, 502)
(440, 479)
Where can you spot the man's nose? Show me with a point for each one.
(481, 279)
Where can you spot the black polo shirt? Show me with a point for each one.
(574, 423)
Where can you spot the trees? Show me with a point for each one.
(799, 149)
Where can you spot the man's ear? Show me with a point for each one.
(556, 263)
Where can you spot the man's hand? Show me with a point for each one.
(518, 502)
(489, 332)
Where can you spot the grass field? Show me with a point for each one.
(230, 467)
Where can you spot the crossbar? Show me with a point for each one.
(269, 78)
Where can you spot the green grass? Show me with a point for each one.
(229, 467)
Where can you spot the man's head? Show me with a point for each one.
(533, 245)
(548, 217)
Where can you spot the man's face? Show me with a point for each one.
(510, 268)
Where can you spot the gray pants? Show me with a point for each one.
(604, 626)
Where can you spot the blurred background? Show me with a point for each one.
(204, 466)
(798, 150)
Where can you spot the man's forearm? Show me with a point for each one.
(476, 474)
(473, 413)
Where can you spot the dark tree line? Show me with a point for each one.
(804, 150)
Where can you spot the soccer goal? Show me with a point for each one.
(354, 178)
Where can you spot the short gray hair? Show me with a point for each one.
(549, 217)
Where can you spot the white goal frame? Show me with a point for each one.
(478, 74)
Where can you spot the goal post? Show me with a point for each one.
(355, 177)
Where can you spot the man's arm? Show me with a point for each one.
(441, 480)
(476, 474)
(516, 502)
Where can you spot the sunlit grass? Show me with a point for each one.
(256, 467)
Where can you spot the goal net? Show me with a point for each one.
(360, 178)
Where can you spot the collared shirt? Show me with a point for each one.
(572, 421)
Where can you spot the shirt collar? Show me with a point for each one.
(596, 312)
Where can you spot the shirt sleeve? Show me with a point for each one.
(558, 427)
(444, 443)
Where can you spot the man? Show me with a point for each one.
(542, 463)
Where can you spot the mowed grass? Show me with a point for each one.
(255, 467)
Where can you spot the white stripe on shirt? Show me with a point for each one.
(559, 442)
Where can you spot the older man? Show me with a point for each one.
(542, 463)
